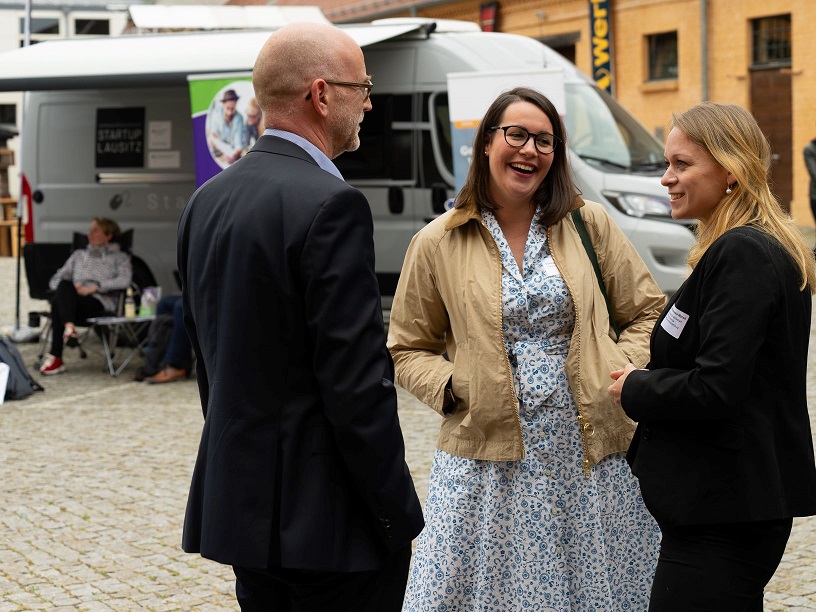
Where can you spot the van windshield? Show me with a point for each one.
(602, 133)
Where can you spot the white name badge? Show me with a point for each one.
(550, 269)
(674, 322)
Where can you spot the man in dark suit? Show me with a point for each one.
(300, 483)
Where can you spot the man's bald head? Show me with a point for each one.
(292, 58)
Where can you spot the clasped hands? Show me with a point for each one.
(86, 289)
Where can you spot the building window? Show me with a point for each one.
(771, 40)
(92, 27)
(8, 113)
(42, 29)
(563, 43)
(662, 56)
(41, 25)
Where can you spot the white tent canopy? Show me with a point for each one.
(148, 60)
(220, 17)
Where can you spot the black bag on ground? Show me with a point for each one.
(20, 383)
(158, 338)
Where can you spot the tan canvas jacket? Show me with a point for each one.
(448, 300)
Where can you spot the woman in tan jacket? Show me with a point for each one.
(499, 324)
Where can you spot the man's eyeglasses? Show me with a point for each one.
(368, 86)
(517, 136)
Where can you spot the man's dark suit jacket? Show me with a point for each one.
(301, 462)
(723, 432)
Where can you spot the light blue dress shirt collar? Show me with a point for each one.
(320, 158)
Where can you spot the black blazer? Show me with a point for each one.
(723, 433)
(301, 462)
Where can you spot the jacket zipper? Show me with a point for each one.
(582, 422)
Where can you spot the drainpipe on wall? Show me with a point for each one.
(704, 49)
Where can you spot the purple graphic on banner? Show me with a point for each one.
(205, 167)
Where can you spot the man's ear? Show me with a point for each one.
(319, 97)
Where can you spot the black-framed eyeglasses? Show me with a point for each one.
(368, 86)
(517, 136)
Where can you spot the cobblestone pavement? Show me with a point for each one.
(93, 483)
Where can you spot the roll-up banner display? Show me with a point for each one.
(222, 112)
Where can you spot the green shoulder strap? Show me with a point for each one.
(593, 258)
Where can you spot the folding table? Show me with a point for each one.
(131, 328)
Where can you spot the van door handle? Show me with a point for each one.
(439, 195)
(396, 200)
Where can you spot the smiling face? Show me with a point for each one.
(516, 173)
(695, 180)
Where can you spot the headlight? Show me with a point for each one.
(637, 205)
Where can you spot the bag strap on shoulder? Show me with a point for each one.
(593, 258)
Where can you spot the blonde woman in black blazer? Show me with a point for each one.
(723, 448)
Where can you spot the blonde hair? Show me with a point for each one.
(733, 138)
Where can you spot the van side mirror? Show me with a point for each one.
(439, 195)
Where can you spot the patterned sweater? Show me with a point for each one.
(106, 266)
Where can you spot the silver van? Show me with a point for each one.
(404, 165)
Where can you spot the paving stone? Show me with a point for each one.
(95, 473)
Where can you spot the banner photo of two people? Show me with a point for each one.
(226, 121)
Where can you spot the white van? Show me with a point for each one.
(404, 164)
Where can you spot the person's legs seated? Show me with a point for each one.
(63, 308)
(177, 357)
(67, 307)
(167, 304)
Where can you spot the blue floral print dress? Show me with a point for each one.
(535, 534)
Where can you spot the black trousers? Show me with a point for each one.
(291, 590)
(69, 307)
(717, 568)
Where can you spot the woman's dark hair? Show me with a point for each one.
(109, 226)
(556, 194)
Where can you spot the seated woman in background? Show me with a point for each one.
(88, 285)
